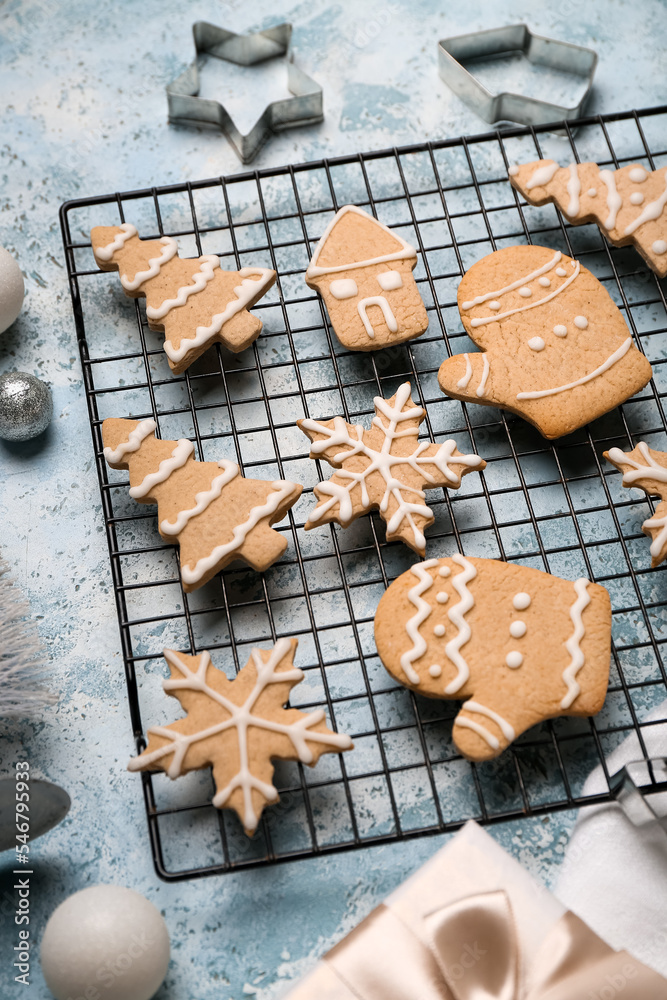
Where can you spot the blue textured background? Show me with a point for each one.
(86, 114)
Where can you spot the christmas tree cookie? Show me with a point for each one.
(193, 301)
(208, 508)
(647, 470)
(516, 645)
(554, 347)
(629, 205)
(385, 468)
(238, 727)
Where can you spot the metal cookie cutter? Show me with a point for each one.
(501, 41)
(187, 108)
(632, 785)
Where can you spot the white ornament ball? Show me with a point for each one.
(12, 289)
(105, 942)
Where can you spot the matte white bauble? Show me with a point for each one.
(107, 942)
(12, 289)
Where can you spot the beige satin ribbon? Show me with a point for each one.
(470, 951)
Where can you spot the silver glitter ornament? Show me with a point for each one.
(26, 406)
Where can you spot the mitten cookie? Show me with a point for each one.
(238, 727)
(363, 271)
(627, 204)
(647, 470)
(520, 646)
(208, 508)
(556, 349)
(193, 301)
(385, 468)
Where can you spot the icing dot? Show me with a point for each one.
(442, 597)
(525, 292)
(536, 344)
(544, 281)
(638, 174)
(592, 192)
(580, 322)
(521, 601)
(494, 304)
(560, 331)
(435, 670)
(561, 272)
(444, 571)
(514, 659)
(439, 630)
(518, 629)
(636, 197)
(513, 170)
(659, 247)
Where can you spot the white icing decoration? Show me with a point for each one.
(202, 500)
(439, 630)
(435, 670)
(592, 192)
(638, 175)
(107, 252)
(456, 615)
(652, 211)
(660, 246)
(636, 197)
(343, 288)
(494, 304)
(481, 388)
(652, 469)
(462, 382)
(560, 330)
(513, 170)
(514, 659)
(376, 300)
(418, 648)
(659, 541)
(201, 277)
(244, 292)
(384, 462)
(573, 189)
(154, 265)
(479, 299)
(521, 601)
(561, 272)
(536, 344)
(611, 360)
(476, 708)
(573, 643)
(240, 532)
(442, 597)
(542, 175)
(133, 443)
(483, 320)
(518, 629)
(580, 322)
(241, 718)
(614, 200)
(389, 281)
(545, 282)
(445, 571)
(403, 253)
(525, 292)
(177, 460)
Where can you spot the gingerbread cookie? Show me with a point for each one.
(647, 470)
(385, 468)
(363, 271)
(238, 727)
(193, 302)
(627, 204)
(519, 645)
(556, 350)
(208, 508)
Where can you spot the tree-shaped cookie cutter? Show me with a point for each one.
(187, 108)
(550, 52)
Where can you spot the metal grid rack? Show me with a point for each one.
(557, 506)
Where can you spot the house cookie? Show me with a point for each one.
(647, 470)
(193, 302)
(477, 630)
(363, 271)
(208, 508)
(385, 468)
(238, 727)
(627, 204)
(555, 348)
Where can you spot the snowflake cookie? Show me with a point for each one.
(629, 205)
(478, 630)
(385, 468)
(555, 348)
(208, 508)
(647, 470)
(238, 727)
(193, 301)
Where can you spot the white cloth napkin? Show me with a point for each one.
(614, 875)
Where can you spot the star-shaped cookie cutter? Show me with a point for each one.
(550, 52)
(187, 108)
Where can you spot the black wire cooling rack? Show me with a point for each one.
(558, 507)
